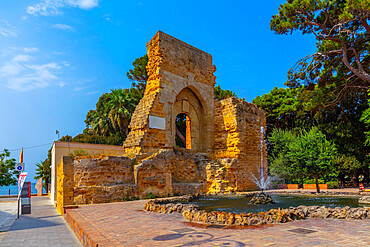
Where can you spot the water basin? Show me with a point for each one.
(237, 204)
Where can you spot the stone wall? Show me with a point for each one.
(238, 135)
(103, 179)
(169, 172)
(65, 182)
(222, 176)
(165, 173)
(107, 179)
(94, 180)
(60, 149)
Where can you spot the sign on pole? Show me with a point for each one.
(21, 179)
(19, 167)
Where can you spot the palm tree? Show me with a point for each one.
(43, 171)
(113, 113)
(97, 120)
(121, 105)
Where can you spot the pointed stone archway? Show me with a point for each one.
(188, 103)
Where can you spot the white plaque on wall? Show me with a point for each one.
(157, 123)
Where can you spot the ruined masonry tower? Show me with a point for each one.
(225, 150)
(180, 80)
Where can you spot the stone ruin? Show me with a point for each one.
(223, 141)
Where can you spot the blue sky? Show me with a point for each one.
(58, 56)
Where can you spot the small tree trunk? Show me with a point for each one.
(317, 184)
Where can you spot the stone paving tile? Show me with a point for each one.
(8, 213)
(43, 227)
(127, 224)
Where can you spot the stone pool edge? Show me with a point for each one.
(192, 213)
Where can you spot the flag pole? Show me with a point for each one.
(19, 173)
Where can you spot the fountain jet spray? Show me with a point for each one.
(262, 183)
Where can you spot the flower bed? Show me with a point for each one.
(192, 213)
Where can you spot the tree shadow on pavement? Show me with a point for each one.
(199, 239)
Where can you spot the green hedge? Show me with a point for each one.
(332, 185)
(312, 181)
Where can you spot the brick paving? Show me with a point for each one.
(43, 227)
(127, 224)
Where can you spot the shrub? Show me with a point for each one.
(312, 181)
(332, 185)
(150, 196)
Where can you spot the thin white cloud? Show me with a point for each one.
(58, 53)
(7, 30)
(11, 50)
(22, 72)
(43, 66)
(87, 4)
(106, 17)
(65, 63)
(30, 49)
(22, 58)
(63, 27)
(61, 84)
(78, 89)
(53, 7)
(93, 92)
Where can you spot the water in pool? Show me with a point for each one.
(241, 204)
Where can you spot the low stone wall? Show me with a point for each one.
(188, 188)
(85, 180)
(192, 213)
(168, 172)
(94, 180)
(103, 194)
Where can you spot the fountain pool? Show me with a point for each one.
(240, 204)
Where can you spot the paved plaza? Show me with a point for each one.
(43, 227)
(127, 224)
(8, 213)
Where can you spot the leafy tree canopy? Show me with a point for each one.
(7, 169)
(284, 108)
(341, 28)
(291, 109)
(112, 114)
(281, 139)
(307, 154)
(223, 94)
(139, 75)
